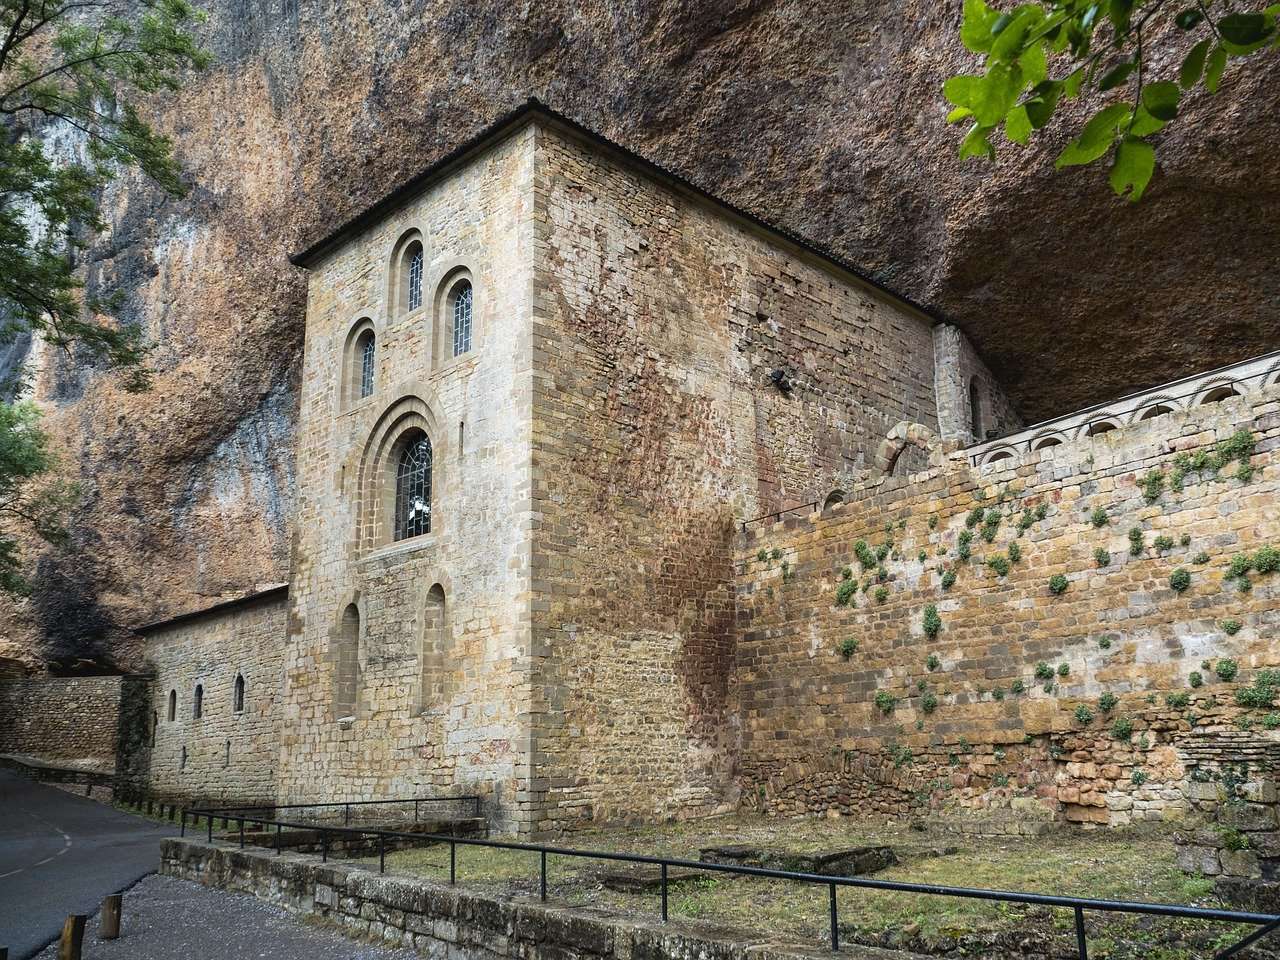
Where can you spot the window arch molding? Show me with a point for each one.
(378, 462)
(1215, 391)
(361, 332)
(406, 282)
(447, 344)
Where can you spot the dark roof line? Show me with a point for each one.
(223, 606)
(515, 119)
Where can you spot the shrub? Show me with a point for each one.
(1178, 701)
(1043, 671)
(929, 702)
(865, 557)
(1231, 626)
(1266, 560)
(964, 546)
(1263, 691)
(1226, 669)
(1138, 777)
(1102, 556)
(1104, 643)
(933, 663)
(991, 526)
(933, 521)
(845, 592)
(1083, 715)
(1240, 564)
(922, 556)
(1200, 559)
(1136, 545)
(1042, 511)
(1057, 584)
(1185, 540)
(975, 517)
(846, 573)
(1107, 702)
(948, 579)
(882, 551)
(932, 623)
(998, 693)
(882, 574)
(1099, 518)
(775, 554)
(1015, 553)
(1163, 544)
(1179, 580)
(1233, 839)
(1152, 486)
(1122, 728)
(1196, 679)
(882, 594)
(1244, 584)
(1048, 687)
(848, 647)
(1017, 687)
(1271, 721)
(999, 564)
(1026, 521)
(762, 555)
(1064, 669)
(886, 702)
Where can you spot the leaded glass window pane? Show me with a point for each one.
(366, 368)
(462, 318)
(415, 278)
(413, 490)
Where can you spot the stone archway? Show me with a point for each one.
(906, 434)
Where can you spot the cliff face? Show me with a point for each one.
(826, 118)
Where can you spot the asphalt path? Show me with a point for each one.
(61, 854)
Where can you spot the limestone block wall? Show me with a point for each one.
(225, 754)
(958, 368)
(72, 720)
(657, 323)
(927, 679)
(440, 663)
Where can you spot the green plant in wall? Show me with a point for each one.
(775, 554)
(1200, 559)
(1058, 584)
(964, 546)
(1083, 715)
(1017, 687)
(845, 592)
(1271, 721)
(1064, 669)
(975, 517)
(1099, 518)
(1026, 521)
(1266, 560)
(848, 647)
(1231, 626)
(886, 702)
(931, 622)
(1179, 580)
(932, 663)
(1152, 486)
(1102, 556)
(1042, 511)
(762, 555)
(1015, 553)
(1136, 541)
(1104, 643)
(997, 694)
(948, 579)
(1122, 728)
(1178, 701)
(1226, 669)
(846, 573)
(866, 558)
(1196, 679)
(882, 551)
(933, 521)
(999, 564)
(882, 594)
(1043, 671)
(1185, 540)
(787, 572)
(922, 556)
(1107, 702)
(1162, 544)
(991, 526)
(1262, 692)
(882, 574)
(1138, 777)
(929, 702)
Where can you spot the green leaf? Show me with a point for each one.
(962, 90)
(1144, 124)
(1035, 67)
(1193, 65)
(975, 31)
(1043, 102)
(1071, 85)
(1119, 12)
(1213, 68)
(1008, 42)
(1189, 18)
(1116, 75)
(959, 113)
(1002, 21)
(1243, 29)
(976, 144)
(1018, 127)
(1096, 137)
(1161, 99)
(997, 94)
(1134, 164)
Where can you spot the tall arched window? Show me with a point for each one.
(366, 345)
(173, 705)
(460, 315)
(411, 277)
(197, 704)
(237, 695)
(975, 410)
(346, 664)
(413, 487)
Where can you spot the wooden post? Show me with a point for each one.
(109, 923)
(72, 937)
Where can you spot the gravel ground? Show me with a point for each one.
(169, 919)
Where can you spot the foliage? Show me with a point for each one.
(1135, 541)
(1099, 518)
(929, 703)
(1271, 721)
(1185, 540)
(1196, 679)
(948, 579)
(1058, 584)
(1266, 560)
(1152, 486)
(1040, 52)
(1231, 626)
(787, 572)
(882, 574)
(846, 573)
(1163, 544)
(998, 693)
(1026, 521)
(964, 546)
(1017, 687)
(1107, 702)
(1064, 669)
(1138, 777)
(845, 592)
(882, 551)
(886, 702)
(762, 555)
(1083, 715)
(865, 557)
(932, 662)
(26, 503)
(999, 563)
(882, 594)
(1179, 700)
(922, 556)
(848, 647)
(1104, 643)
(933, 521)
(1226, 669)
(1122, 728)
(1042, 511)
(932, 623)
(975, 517)
(1179, 580)
(991, 526)
(1015, 553)
(1102, 556)
(775, 554)
(1262, 693)
(1200, 559)
(1043, 671)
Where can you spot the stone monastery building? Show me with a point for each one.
(548, 389)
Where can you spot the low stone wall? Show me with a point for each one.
(1238, 841)
(70, 720)
(443, 921)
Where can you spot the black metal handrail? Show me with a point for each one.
(1265, 922)
(224, 813)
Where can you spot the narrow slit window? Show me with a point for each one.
(413, 489)
(173, 705)
(415, 278)
(237, 698)
(197, 705)
(461, 318)
(366, 367)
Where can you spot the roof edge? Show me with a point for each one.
(222, 606)
(515, 120)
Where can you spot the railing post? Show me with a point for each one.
(277, 838)
(1081, 948)
(835, 925)
(209, 821)
(542, 885)
(415, 811)
(346, 814)
(453, 862)
(242, 833)
(382, 853)
(183, 832)
(664, 891)
(324, 846)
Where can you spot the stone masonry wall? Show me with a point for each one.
(1103, 703)
(441, 693)
(73, 720)
(657, 324)
(225, 754)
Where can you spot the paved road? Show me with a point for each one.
(61, 854)
(216, 925)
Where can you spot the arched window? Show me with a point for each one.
(346, 664)
(413, 487)
(434, 665)
(197, 705)
(411, 277)
(173, 705)
(460, 316)
(366, 349)
(975, 409)
(237, 694)
(1218, 394)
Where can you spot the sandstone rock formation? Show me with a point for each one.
(826, 118)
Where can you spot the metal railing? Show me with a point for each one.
(227, 813)
(1266, 923)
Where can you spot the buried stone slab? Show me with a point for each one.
(852, 862)
(645, 877)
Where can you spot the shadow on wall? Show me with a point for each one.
(77, 627)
